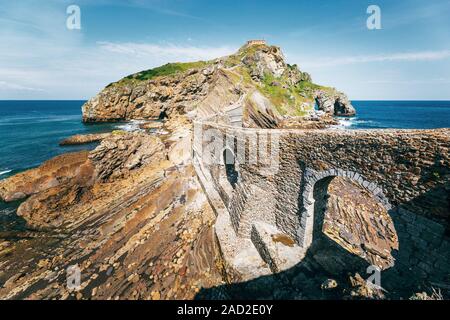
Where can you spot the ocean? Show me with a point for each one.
(399, 115)
(31, 130)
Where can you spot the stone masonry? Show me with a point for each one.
(265, 220)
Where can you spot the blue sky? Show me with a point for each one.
(409, 58)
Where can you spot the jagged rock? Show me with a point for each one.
(295, 76)
(364, 290)
(119, 154)
(435, 295)
(218, 90)
(261, 112)
(364, 219)
(44, 209)
(51, 204)
(334, 103)
(266, 60)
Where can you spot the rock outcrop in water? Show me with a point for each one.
(334, 103)
(84, 138)
(52, 173)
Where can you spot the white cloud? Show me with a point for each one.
(41, 59)
(405, 57)
(73, 71)
(13, 86)
(168, 51)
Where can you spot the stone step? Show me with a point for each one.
(276, 248)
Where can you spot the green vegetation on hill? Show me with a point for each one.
(287, 99)
(307, 88)
(164, 70)
(292, 94)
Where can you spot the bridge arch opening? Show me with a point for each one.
(228, 173)
(351, 216)
(229, 161)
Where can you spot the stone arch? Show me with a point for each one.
(310, 178)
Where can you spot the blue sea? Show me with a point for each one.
(399, 115)
(31, 130)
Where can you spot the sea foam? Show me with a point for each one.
(5, 172)
(132, 125)
(350, 123)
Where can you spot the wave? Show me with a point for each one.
(4, 172)
(132, 125)
(347, 123)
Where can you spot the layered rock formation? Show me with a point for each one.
(51, 173)
(356, 221)
(129, 214)
(254, 87)
(52, 205)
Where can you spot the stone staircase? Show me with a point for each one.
(234, 112)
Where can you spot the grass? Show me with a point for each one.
(164, 70)
(288, 99)
(285, 98)
(308, 88)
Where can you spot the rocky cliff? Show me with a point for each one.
(132, 214)
(254, 87)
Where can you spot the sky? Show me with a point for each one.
(407, 59)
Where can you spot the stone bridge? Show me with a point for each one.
(382, 195)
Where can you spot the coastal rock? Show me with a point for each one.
(363, 289)
(261, 112)
(135, 208)
(119, 154)
(334, 103)
(152, 99)
(135, 226)
(226, 90)
(114, 159)
(267, 60)
(84, 138)
(50, 174)
(151, 125)
(353, 216)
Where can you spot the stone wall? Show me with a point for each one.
(407, 171)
